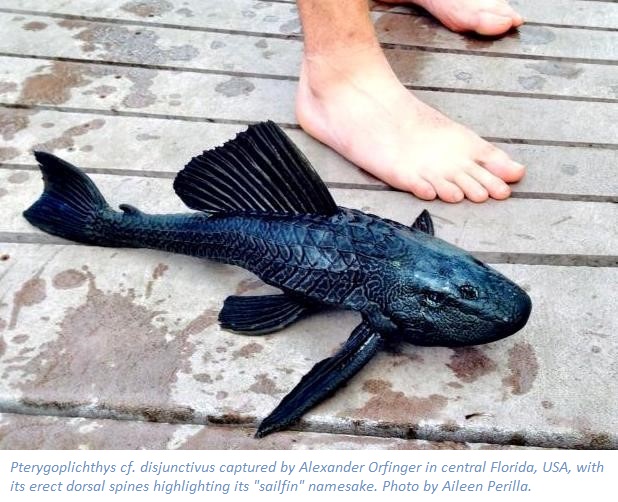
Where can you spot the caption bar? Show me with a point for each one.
(437, 475)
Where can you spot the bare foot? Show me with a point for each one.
(486, 17)
(354, 103)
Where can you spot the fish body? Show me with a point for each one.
(262, 207)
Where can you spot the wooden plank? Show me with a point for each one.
(578, 228)
(237, 15)
(528, 40)
(504, 75)
(178, 48)
(587, 13)
(260, 13)
(281, 19)
(73, 314)
(223, 97)
(601, 14)
(33, 432)
(148, 145)
(221, 52)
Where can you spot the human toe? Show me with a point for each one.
(472, 189)
(490, 23)
(446, 190)
(517, 20)
(422, 189)
(499, 163)
(495, 187)
(412, 182)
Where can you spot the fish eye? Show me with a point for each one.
(433, 298)
(468, 292)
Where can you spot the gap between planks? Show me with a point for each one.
(414, 11)
(330, 184)
(283, 125)
(293, 78)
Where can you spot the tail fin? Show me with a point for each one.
(70, 202)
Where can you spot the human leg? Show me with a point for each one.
(350, 99)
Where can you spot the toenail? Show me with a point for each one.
(518, 168)
(481, 195)
(496, 18)
(503, 192)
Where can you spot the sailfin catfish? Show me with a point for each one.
(261, 206)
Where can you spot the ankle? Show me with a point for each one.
(325, 73)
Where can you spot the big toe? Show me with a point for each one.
(490, 23)
(499, 163)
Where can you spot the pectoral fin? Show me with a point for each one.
(260, 315)
(324, 379)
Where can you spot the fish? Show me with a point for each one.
(260, 205)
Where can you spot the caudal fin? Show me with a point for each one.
(70, 203)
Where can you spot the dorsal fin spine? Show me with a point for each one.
(214, 193)
(272, 174)
(259, 171)
(250, 189)
(216, 183)
(249, 165)
(287, 150)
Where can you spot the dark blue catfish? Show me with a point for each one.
(263, 207)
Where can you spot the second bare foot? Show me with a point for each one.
(354, 103)
(486, 17)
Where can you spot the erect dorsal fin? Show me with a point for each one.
(260, 170)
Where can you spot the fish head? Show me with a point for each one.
(445, 296)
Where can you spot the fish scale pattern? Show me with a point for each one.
(298, 254)
(335, 260)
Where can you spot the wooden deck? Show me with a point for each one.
(96, 342)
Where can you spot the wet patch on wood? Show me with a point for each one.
(249, 284)
(248, 351)
(108, 333)
(32, 292)
(265, 385)
(234, 87)
(523, 366)
(8, 153)
(392, 406)
(157, 273)
(117, 43)
(148, 8)
(69, 279)
(13, 121)
(67, 139)
(34, 26)
(470, 363)
(53, 87)
(557, 69)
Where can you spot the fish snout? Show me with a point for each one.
(516, 317)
